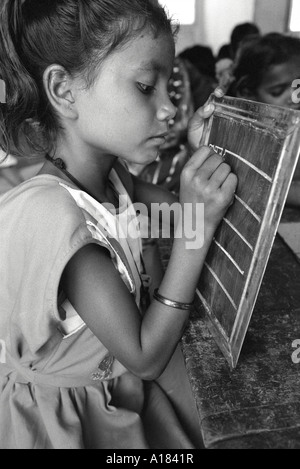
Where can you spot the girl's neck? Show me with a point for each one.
(91, 173)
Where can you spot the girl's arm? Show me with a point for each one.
(151, 194)
(147, 193)
(141, 191)
(144, 345)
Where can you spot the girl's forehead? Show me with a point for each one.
(147, 52)
(284, 71)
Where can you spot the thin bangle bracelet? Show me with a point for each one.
(170, 303)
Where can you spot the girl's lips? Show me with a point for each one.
(160, 136)
(159, 139)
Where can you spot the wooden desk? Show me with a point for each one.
(257, 405)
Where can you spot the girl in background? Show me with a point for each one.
(89, 362)
(265, 70)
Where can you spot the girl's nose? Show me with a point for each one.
(167, 111)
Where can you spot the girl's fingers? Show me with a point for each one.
(229, 186)
(220, 175)
(197, 121)
(198, 158)
(219, 92)
(196, 124)
(211, 168)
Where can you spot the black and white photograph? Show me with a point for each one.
(149, 227)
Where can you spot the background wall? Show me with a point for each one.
(272, 15)
(215, 20)
(220, 17)
(194, 34)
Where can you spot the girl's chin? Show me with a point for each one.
(148, 158)
(143, 158)
(154, 157)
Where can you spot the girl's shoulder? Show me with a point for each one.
(41, 199)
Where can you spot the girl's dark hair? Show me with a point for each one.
(257, 55)
(75, 34)
(241, 33)
(202, 57)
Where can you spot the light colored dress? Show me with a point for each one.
(59, 386)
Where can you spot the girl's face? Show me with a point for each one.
(126, 112)
(276, 86)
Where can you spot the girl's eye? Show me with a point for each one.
(145, 89)
(278, 92)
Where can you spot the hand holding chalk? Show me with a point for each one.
(197, 122)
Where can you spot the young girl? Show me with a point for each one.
(88, 364)
(265, 70)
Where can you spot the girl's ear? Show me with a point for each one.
(59, 88)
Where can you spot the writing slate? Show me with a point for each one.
(261, 143)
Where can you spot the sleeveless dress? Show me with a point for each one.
(59, 386)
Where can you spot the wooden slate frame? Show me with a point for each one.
(262, 144)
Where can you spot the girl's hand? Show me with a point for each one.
(207, 179)
(196, 124)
